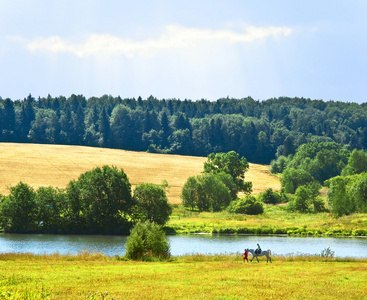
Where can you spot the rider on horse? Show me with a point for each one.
(258, 249)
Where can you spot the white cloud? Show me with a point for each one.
(174, 37)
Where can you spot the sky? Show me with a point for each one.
(184, 49)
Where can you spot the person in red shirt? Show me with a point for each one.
(245, 255)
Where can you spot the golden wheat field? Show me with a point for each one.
(55, 165)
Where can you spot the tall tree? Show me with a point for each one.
(8, 119)
(19, 210)
(232, 164)
(151, 203)
(104, 127)
(104, 197)
(27, 115)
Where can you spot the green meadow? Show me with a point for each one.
(94, 276)
(274, 220)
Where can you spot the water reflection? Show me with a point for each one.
(180, 245)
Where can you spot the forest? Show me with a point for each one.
(261, 131)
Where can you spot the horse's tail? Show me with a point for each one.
(269, 252)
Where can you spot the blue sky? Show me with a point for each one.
(184, 49)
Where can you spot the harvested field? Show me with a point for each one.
(55, 165)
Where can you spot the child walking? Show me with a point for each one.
(245, 255)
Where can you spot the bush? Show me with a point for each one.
(147, 240)
(248, 205)
(270, 197)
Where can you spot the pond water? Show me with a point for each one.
(183, 244)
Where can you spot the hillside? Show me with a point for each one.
(55, 165)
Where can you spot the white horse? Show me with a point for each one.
(254, 253)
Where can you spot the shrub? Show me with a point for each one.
(270, 197)
(248, 205)
(147, 240)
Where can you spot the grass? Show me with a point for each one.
(274, 220)
(94, 276)
(55, 165)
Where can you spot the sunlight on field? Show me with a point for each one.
(93, 276)
(55, 165)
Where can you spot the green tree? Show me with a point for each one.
(151, 203)
(51, 207)
(44, 127)
(270, 197)
(75, 215)
(316, 203)
(207, 192)
(66, 125)
(302, 199)
(166, 130)
(101, 198)
(358, 192)
(228, 181)
(19, 210)
(321, 160)
(181, 141)
(338, 198)
(120, 126)
(217, 194)
(147, 240)
(104, 127)
(191, 192)
(78, 130)
(8, 120)
(27, 115)
(248, 205)
(278, 165)
(231, 164)
(357, 163)
(291, 179)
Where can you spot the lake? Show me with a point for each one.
(183, 244)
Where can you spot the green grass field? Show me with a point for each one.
(93, 276)
(274, 220)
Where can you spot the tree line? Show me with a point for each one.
(100, 201)
(258, 130)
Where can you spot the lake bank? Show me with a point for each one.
(94, 276)
(274, 220)
(201, 244)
